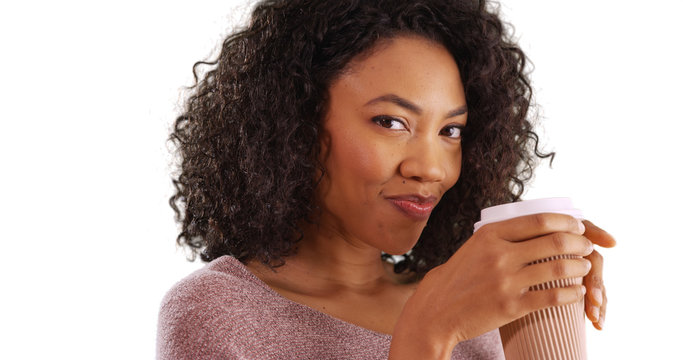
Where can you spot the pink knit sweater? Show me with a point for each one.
(223, 311)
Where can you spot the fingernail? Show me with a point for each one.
(582, 227)
(601, 322)
(595, 313)
(596, 294)
(583, 289)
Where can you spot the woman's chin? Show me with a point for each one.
(399, 249)
(404, 240)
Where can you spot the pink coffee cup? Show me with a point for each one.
(551, 333)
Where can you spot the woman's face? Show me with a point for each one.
(391, 143)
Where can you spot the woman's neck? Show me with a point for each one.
(327, 261)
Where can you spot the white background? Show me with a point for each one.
(89, 90)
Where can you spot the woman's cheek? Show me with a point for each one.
(371, 159)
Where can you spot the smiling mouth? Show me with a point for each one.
(412, 209)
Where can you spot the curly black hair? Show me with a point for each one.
(248, 140)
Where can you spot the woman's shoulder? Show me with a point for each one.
(201, 311)
(224, 280)
(224, 311)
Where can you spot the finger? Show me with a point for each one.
(532, 226)
(540, 299)
(595, 288)
(592, 312)
(593, 280)
(540, 273)
(603, 311)
(600, 322)
(560, 243)
(598, 236)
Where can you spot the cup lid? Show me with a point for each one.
(559, 205)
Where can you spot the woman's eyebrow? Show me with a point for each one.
(410, 106)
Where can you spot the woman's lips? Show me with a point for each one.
(412, 209)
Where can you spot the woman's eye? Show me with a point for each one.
(389, 122)
(453, 131)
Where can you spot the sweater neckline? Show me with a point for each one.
(241, 268)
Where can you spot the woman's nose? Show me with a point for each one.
(425, 161)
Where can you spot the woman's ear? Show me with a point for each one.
(325, 144)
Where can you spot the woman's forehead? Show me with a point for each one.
(413, 68)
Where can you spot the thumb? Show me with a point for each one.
(598, 236)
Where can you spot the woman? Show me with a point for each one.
(332, 135)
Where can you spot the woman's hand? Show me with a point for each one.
(485, 284)
(596, 297)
